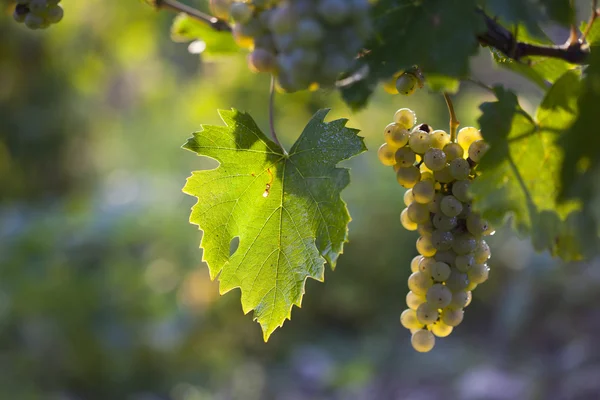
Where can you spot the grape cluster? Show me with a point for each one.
(38, 14)
(437, 173)
(303, 42)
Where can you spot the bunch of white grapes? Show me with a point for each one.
(38, 14)
(305, 43)
(453, 254)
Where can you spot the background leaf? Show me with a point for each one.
(185, 29)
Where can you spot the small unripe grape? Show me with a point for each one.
(240, 12)
(220, 8)
(386, 155)
(407, 84)
(479, 273)
(395, 135)
(427, 313)
(405, 157)
(408, 197)
(477, 150)
(459, 300)
(425, 247)
(438, 296)
(413, 300)
(440, 329)
(460, 190)
(261, 60)
(406, 222)
(419, 283)
(452, 317)
(482, 252)
(20, 13)
(435, 159)
(468, 135)
(414, 264)
(54, 14)
(424, 191)
(434, 206)
(439, 139)
(418, 212)
(422, 340)
(440, 271)
(33, 21)
(443, 222)
(419, 141)
(426, 264)
(281, 20)
(464, 262)
(476, 225)
(443, 175)
(409, 320)
(309, 32)
(464, 243)
(405, 117)
(453, 151)
(459, 169)
(450, 206)
(441, 240)
(458, 281)
(408, 177)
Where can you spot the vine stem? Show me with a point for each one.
(272, 114)
(176, 6)
(454, 122)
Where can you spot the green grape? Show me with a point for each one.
(468, 135)
(419, 141)
(409, 320)
(333, 11)
(425, 247)
(405, 157)
(438, 296)
(407, 84)
(20, 13)
(261, 60)
(434, 206)
(482, 252)
(396, 136)
(419, 283)
(460, 169)
(457, 281)
(422, 340)
(220, 8)
(443, 175)
(466, 211)
(309, 32)
(477, 150)
(413, 300)
(426, 228)
(446, 256)
(33, 21)
(479, 273)
(281, 21)
(405, 117)
(440, 329)
(427, 313)
(443, 222)
(426, 264)
(54, 14)
(38, 7)
(440, 271)
(406, 222)
(240, 12)
(435, 159)
(459, 300)
(450, 206)
(414, 264)
(408, 177)
(469, 298)
(386, 155)
(408, 197)
(465, 262)
(442, 240)
(476, 225)
(439, 139)
(453, 151)
(427, 175)
(417, 212)
(452, 317)
(460, 190)
(424, 192)
(464, 243)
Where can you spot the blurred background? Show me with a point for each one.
(102, 291)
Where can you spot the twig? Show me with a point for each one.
(174, 5)
(272, 114)
(502, 39)
(588, 28)
(454, 122)
(480, 84)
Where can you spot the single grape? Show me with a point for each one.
(406, 222)
(424, 191)
(240, 12)
(413, 300)
(408, 177)
(464, 243)
(479, 273)
(435, 159)
(439, 139)
(427, 313)
(418, 212)
(21, 11)
(405, 157)
(395, 135)
(409, 320)
(414, 264)
(440, 271)
(451, 317)
(443, 222)
(434, 206)
(282, 20)
(38, 7)
(477, 150)
(440, 329)
(407, 84)
(419, 283)
(468, 135)
(446, 256)
(482, 252)
(426, 228)
(443, 175)
(464, 262)
(426, 264)
(453, 151)
(439, 296)
(442, 240)
(425, 247)
(459, 169)
(405, 117)
(220, 8)
(386, 155)
(459, 300)
(457, 281)
(261, 60)
(422, 340)
(408, 197)
(54, 14)
(419, 141)
(460, 190)
(33, 21)
(450, 206)
(309, 32)
(426, 174)
(476, 225)
(333, 11)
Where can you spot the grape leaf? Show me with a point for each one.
(185, 29)
(285, 209)
(520, 173)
